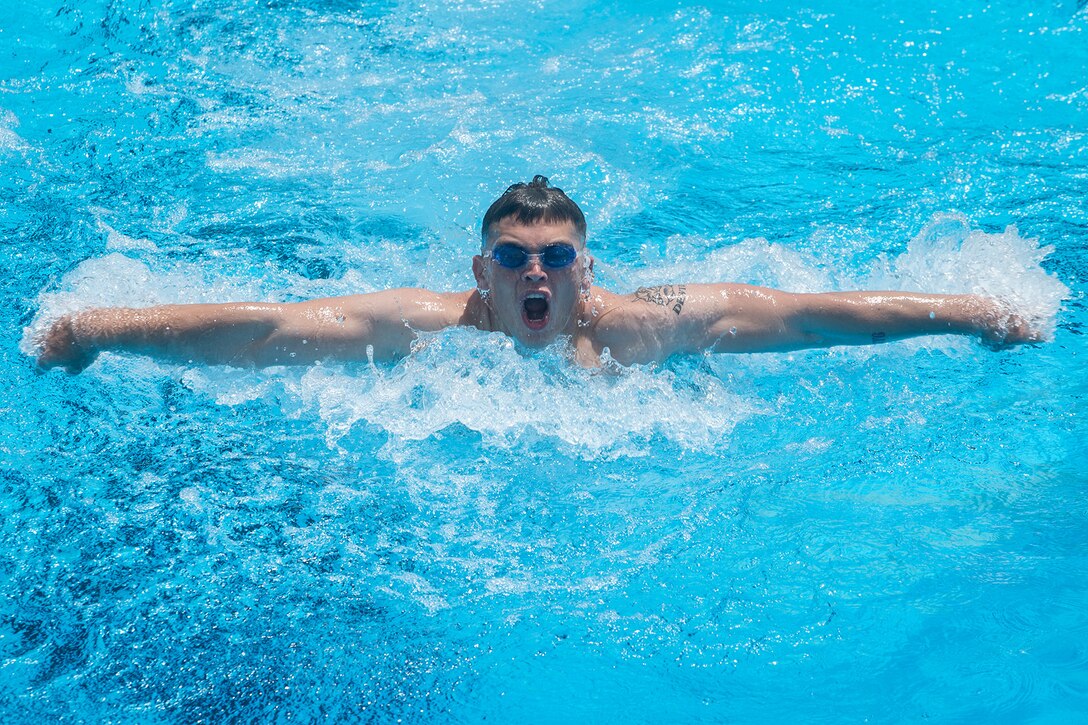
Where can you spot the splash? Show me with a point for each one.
(948, 256)
(485, 384)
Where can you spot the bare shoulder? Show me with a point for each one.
(654, 322)
(670, 305)
(640, 326)
(613, 312)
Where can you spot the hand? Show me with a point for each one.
(60, 347)
(1007, 329)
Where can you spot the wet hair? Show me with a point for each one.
(533, 203)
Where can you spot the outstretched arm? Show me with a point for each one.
(745, 318)
(748, 319)
(254, 334)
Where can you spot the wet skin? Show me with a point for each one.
(505, 291)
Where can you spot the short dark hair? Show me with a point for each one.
(533, 203)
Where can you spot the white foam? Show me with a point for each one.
(484, 383)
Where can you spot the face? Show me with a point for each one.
(534, 303)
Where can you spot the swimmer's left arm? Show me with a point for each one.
(745, 318)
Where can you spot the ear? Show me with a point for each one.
(479, 271)
(587, 267)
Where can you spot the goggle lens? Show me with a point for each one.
(554, 256)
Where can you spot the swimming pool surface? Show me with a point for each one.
(872, 534)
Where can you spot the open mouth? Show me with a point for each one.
(534, 311)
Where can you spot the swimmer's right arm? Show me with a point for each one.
(252, 334)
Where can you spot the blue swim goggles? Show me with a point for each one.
(554, 256)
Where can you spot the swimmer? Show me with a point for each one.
(534, 282)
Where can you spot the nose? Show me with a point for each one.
(534, 271)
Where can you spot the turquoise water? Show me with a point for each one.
(881, 534)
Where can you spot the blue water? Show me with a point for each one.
(873, 534)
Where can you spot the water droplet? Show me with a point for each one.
(732, 331)
(932, 315)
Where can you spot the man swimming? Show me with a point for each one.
(534, 282)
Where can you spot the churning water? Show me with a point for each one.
(889, 533)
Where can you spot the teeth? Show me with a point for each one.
(536, 296)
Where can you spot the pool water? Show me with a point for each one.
(478, 532)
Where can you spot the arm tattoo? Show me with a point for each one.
(667, 295)
(879, 337)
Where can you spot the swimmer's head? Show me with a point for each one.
(533, 203)
(533, 272)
